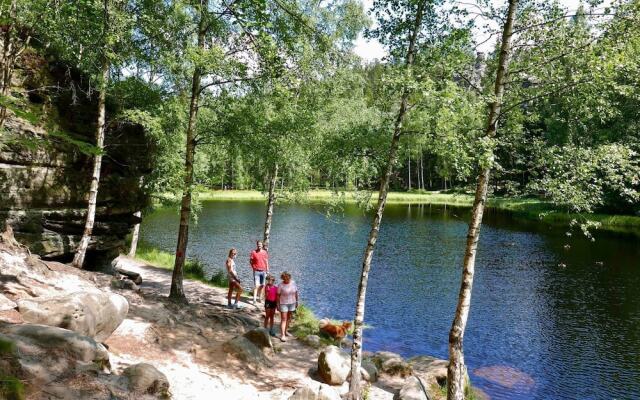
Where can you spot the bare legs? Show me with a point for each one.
(284, 324)
(233, 285)
(257, 292)
(268, 319)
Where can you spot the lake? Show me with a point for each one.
(556, 313)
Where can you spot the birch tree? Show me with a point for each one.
(407, 26)
(456, 370)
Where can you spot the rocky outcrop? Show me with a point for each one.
(44, 186)
(43, 354)
(91, 314)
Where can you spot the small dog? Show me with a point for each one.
(337, 332)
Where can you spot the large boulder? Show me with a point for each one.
(145, 378)
(245, 350)
(315, 391)
(91, 314)
(334, 365)
(42, 354)
(391, 363)
(413, 389)
(369, 371)
(260, 337)
(430, 369)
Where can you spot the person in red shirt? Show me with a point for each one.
(259, 260)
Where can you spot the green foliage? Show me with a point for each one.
(11, 388)
(305, 323)
(195, 268)
(219, 278)
(7, 347)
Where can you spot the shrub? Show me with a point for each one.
(219, 278)
(194, 268)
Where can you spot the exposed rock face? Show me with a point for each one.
(43, 354)
(44, 188)
(92, 314)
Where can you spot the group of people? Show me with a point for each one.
(283, 297)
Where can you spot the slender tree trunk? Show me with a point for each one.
(11, 50)
(421, 169)
(271, 201)
(409, 174)
(456, 371)
(78, 259)
(135, 236)
(356, 349)
(177, 290)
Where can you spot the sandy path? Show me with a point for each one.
(185, 342)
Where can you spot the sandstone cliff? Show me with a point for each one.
(45, 173)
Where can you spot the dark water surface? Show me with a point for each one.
(558, 332)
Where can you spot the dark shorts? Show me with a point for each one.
(270, 304)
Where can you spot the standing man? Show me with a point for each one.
(259, 261)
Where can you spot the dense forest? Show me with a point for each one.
(269, 95)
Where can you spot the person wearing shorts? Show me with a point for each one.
(287, 303)
(270, 303)
(234, 281)
(259, 261)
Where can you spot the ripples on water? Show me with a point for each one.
(561, 333)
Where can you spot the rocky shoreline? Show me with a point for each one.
(72, 334)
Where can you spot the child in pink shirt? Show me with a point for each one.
(270, 303)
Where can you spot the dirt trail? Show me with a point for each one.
(185, 342)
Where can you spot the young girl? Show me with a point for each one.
(234, 282)
(287, 303)
(270, 302)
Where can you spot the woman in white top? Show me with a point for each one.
(287, 303)
(234, 281)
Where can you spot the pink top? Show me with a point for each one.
(287, 292)
(271, 292)
(258, 260)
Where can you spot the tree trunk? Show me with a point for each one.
(409, 174)
(177, 290)
(135, 236)
(422, 169)
(10, 53)
(271, 201)
(78, 259)
(356, 349)
(456, 371)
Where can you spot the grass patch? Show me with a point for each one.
(193, 268)
(306, 322)
(11, 388)
(219, 278)
(7, 347)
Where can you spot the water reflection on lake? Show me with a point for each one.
(570, 332)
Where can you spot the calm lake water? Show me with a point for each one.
(559, 332)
